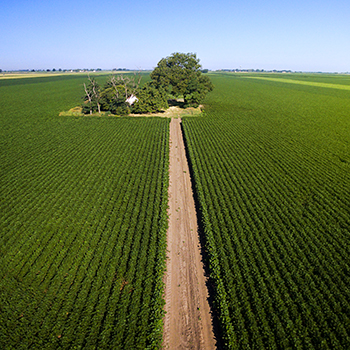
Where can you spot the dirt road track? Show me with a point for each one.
(188, 322)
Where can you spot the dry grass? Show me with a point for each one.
(173, 112)
(76, 111)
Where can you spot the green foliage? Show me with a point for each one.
(113, 103)
(151, 99)
(92, 97)
(84, 214)
(89, 107)
(112, 97)
(108, 98)
(196, 90)
(271, 170)
(83, 222)
(180, 74)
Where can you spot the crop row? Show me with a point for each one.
(275, 214)
(83, 232)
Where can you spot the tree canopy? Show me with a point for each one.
(113, 97)
(177, 76)
(151, 99)
(180, 74)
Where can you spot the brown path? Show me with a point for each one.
(188, 322)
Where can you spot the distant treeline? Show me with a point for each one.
(76, 70)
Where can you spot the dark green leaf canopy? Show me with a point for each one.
(181, 75)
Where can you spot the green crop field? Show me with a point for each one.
(271, 168)
(82, 222)
(83, 214)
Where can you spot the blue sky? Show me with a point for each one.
(299, 35)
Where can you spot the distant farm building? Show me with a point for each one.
(131, 99)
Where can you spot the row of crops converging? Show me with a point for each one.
(83, 248)
(274, 201)
(83, 216)
(83, 220)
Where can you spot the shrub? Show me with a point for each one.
(151, 99)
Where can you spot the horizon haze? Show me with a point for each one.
(305, 36)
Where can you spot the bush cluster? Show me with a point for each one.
(117, 95)
(179, 76)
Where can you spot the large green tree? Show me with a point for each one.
(180, 74)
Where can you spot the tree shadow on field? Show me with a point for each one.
(176, 103)
(205, 258)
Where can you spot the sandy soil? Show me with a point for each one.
(173, 112)
(188, 321)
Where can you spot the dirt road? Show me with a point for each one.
(188, 322)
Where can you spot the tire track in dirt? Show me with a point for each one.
(188, 321)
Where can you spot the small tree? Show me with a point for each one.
(180, 74)
(113, 96)
(113, 100)
(88, 98)
(95, 88)
(92, 96)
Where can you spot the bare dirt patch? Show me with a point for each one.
(173, 112)
(188, 321)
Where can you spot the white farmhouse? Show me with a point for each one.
(131, 99)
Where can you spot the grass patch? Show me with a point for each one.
(77, 112)
(171, 112)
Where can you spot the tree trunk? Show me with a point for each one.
(89, 97)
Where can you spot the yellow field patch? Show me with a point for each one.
(28, 75)
(300, 82)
